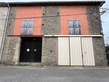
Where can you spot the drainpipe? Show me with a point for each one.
(5, 32)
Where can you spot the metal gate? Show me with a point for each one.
(75, 51)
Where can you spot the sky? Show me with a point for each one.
(104, 18)
(105, 22)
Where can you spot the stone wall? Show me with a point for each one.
(94, 21)
(17, 50)
(11, 49)
(99, 51)
(50, 26)
(50, 51)
(12, 15)
(50, 20)
(95, 28)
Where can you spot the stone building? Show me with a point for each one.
(54, 32)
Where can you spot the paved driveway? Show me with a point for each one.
(53, 74)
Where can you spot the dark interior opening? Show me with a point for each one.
(31, 48)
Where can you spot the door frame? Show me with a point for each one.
(28, 63)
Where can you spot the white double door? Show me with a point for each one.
(75, 51)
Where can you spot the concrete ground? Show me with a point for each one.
(54, 74)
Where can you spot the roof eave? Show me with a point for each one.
(99, 3)
(102, 3)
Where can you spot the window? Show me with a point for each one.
(74, 27)
(27, 27)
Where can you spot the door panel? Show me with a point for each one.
(37, 48)
(63, 51)
(88, 53)
(75, 51)
(25, 51)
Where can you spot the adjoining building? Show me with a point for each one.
(3, 21)
(54, 32)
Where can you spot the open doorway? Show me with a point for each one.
(31, 48)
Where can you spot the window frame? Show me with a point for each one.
(27, 32)
(79, 28)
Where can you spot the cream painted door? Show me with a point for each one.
(75, 51)
(63, 51)
(88, 52)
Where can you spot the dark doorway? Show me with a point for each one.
(31, 49)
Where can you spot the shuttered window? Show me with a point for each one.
(74, 27)
(27, 27)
